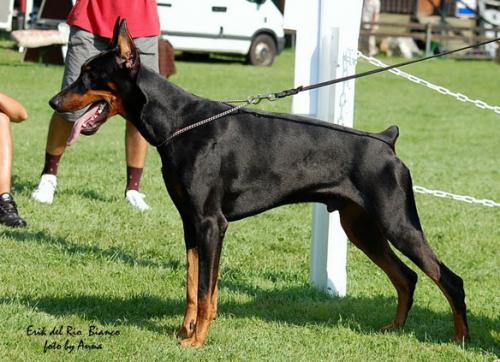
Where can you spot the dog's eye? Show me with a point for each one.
(91, 79)
(86, 80)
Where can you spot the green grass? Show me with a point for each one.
(90, 260)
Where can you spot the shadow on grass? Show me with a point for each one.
(300, 306)
(366, 315)
(137, 311)
(27, 186)
(89, 194)
(113, 253)
(22, 186)
(15, 65)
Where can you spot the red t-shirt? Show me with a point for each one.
(99, 16)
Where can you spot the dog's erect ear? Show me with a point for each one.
(116, 32)
(127, 52)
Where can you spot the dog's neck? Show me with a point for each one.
(158, 108)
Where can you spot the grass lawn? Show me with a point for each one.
(89, 260)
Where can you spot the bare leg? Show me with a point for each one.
(5, 154)
(136, 147)
(59, 130)
(8, 210)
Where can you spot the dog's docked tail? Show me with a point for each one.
(390, 136)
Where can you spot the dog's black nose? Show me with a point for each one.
(54, 102)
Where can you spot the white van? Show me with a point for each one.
(249, 27)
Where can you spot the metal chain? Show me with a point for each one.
(248, 101)
(252, 99)
(200, 123)
(459, 96)
(447, 195)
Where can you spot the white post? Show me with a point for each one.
(327, 40)
(29, 9)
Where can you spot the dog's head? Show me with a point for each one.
(103, 80)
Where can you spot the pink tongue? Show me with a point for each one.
(78, 125)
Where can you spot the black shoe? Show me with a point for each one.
(8, 212)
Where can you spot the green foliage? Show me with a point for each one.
(90, 260)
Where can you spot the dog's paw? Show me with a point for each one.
(390, 327)
(460, 338)
(191, 342)
(184, 333)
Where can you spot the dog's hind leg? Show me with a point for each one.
(399, 221)
(413, 244)
(366, 235)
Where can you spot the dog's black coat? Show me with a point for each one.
(287, 158)
(251, 161)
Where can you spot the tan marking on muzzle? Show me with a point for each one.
(72, 101)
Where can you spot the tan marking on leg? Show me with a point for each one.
(215, 296)
(461, 332)
(207, 305)
(190, 315)
(202, 324)
(383, 257)
(401, 285)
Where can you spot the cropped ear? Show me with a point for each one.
(127, 52)
(116, 31)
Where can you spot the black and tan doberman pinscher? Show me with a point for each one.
(250, 161)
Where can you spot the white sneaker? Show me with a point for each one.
(44, 192)
(136, 199)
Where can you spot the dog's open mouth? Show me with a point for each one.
(89, 123)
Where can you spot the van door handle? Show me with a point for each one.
(219, 9)
(165, 4)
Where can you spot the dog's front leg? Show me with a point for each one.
(189, 323)
(215, 296)
(209, 248)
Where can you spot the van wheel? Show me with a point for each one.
(263, 50)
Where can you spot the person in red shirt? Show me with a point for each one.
(91, 26)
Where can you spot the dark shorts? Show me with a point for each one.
(82, 45)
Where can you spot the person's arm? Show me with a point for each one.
(12, 108)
